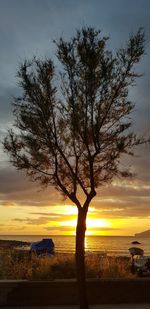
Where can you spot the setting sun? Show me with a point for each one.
(92, 223)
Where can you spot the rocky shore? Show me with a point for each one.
(13, 243)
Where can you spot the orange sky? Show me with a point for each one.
(121, 208)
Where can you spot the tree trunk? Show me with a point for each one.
(80, 258)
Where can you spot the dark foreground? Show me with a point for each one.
(115, 306)
(64, 292)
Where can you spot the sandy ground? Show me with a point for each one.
(120, 306)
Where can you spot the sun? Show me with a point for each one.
(91, 224)
(97, 223)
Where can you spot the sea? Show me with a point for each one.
(111, 245)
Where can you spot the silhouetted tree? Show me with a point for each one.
(71, 131)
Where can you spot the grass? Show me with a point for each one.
(15, 264)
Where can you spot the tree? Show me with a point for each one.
(71, 132)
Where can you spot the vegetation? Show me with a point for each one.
(72, 129)
(15, 264)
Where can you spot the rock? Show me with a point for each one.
(13, 243)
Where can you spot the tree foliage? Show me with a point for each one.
(74, 126)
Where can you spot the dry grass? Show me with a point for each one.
(19, 265)
(108, 267)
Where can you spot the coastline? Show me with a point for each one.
(13, 243)
(114, 245)
(24, 246)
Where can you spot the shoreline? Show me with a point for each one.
(24, 246)
(4, 243)
(62, 247)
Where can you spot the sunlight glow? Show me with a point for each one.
(90, 223)
(72, 209)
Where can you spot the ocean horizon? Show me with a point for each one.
(112, 245)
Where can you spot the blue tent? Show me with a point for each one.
(46, 245)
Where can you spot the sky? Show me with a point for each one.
(28, 28)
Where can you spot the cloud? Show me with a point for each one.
(6, 98)
(121, 199)
(53, 215)
(16, 188)
(19, 220)
(123, 205)
(5, 229)
(102, 228)
(59, 229)
(36, 221)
